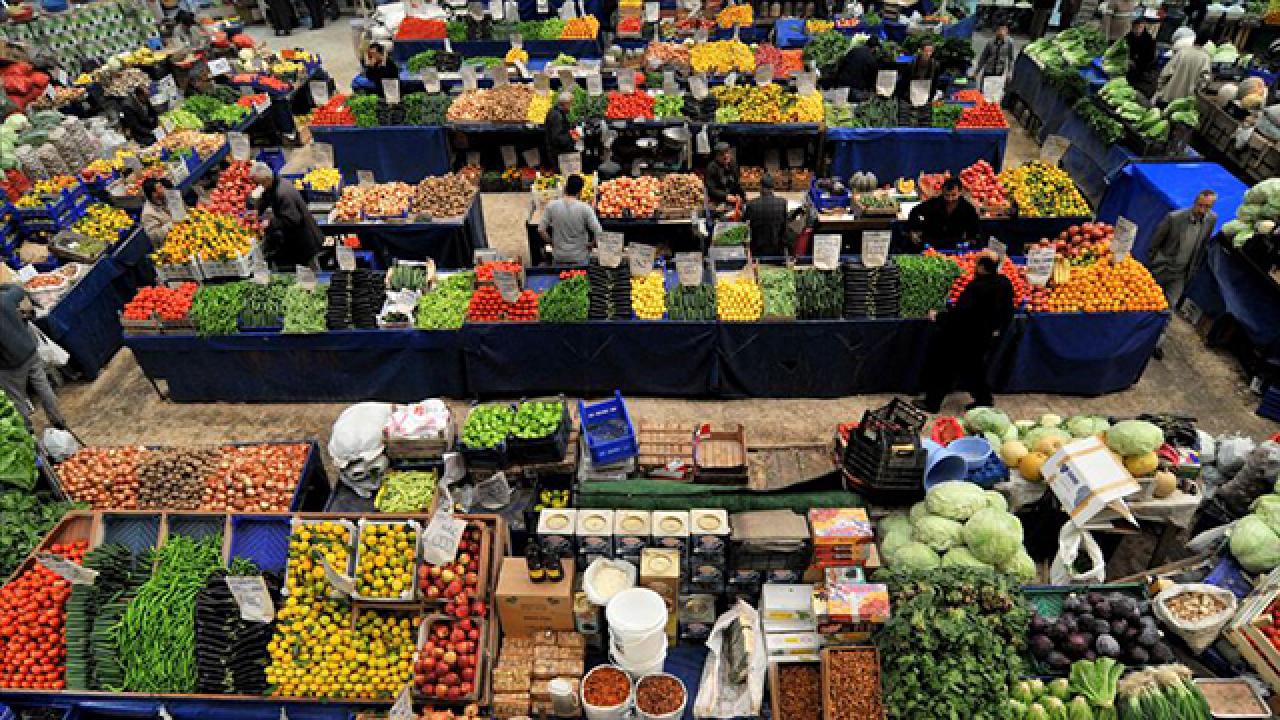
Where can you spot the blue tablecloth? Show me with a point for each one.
(450, 242)
(1227, 285)
(907, 152)
(402, 153)
(1146, 192)
(405, 49)
(86, 321)
(962, 29)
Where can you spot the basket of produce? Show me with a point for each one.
(262, 305)
(385, 563)
(829, 195)
(407, 491)
(442, 659)
(1111, 620)
(878, 203)
(539, 431)
(72, 246)
(412, 275)
(333, 540)
(483, 441)
(730, 234)
(419, 431)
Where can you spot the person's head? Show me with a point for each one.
(573, 186)
(261, 174)
(1204, 203)
(987, 264)
(185, 19)
(872, 43)
(376, 53)
(766, 184)
(1202, 37)
(1139, 26)
(1002, 32)
(153, 189)
(565, 100)
(951, 190)
(724, 153)
(926, 51)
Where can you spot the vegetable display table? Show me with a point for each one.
(86, 320)
(1015, 232)
(401, 153)
(1228, 284)
(1145, 192)
(907, 152)
(450, 241)
(405, 49)
(677, 234)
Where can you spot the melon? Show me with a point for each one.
(1164, 484)
(1012, 452)
(1048, 444)
(1142, 465)
(1031, 465)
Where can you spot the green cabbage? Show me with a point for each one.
(1020, 566)
(1134, 437)
(993, 536)
(1267, 507)
(894, 522)
(918, 511)
(915, 556)
(985, 419)
(1254, 544)
(1083, 426)
(957, 500)
(960, 556)
(997, 501)
(1038, 433)
(937, 532)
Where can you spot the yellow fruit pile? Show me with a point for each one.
(738, 300)
(754, 104)
(813, 27)
(1042, 190)
(583, 27)
(515, 55)
(722, 56)
(539, 106)
(103, 222)
(736, 15)
(305, 576)
(807, 109)
(206, 235)
(649, 296)
(384, 566)
(322, 178)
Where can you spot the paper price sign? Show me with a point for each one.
(251, 595)
(669, 85)
(448, 45)
(1040, 265)
(532, 157)
(626, 82)
(305, 277)
(875, 247)
(920, 91)
(640, 259)
(595, 84)
(698, 86)
(67, 570)
(346, 257)
(999, 248)
(440, 541)
(261, 274)
(508, 285)
(364, 177)
(176, 207)
(1122, 242)
(993, 88)
(652, 11)
(542, 83)
(178, 171)
(160, 133)
(516, 41)
(468, 77)
(700, 36)
(508, 155)
(26, 272)
(886, 81)
(609, 247)
(166, 84)
(1054, 147)
(220, 66)
(689, 268)
(570, 163)
(826, 251)
(343, 584)
(731, 80)
(499, 75)
(239, 145)
(323, 153)
(431, 80)
(391, 90)
(63, 79)
(319, 91)
(402, 708)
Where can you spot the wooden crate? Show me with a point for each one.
(721, 455)
(663, 444)
(775, 696)
(827, 709)
(1244, 632)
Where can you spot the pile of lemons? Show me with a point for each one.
(738, 300)
(649, 296)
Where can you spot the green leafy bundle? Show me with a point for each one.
(827, 48)
(17, 448)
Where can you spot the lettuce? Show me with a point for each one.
(960, 556)
(915, 556)
(957, 500)
(993, 536)
(1255, 545)
(1134, 437)
(937, 532)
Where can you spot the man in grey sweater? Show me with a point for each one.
(570, 225)
(1178, 247)
(20, 364)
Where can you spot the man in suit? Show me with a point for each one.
(1178, 247)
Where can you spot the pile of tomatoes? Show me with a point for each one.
(982, 115)
(984, 188)
(488, 305)
(484, 272)
(334, 112)
(1017, 277)
(627, 106)
(416, 28)
(161, 302)
(33, 644)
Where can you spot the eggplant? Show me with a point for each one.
(1041, 646)
(1077, 645)
(1102, 609)
(1161, 653)
(1100, 627)
(1118, 627)
(1138, 655)
(1058, 662)
(1107, 645)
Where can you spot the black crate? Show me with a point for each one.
(549, 449)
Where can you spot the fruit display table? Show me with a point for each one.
(401, 153)
(1145, 192)
(677, 234)
(907, 152)
(450, 242)
(86, 320)
(1229, 285)
(405, 49)
(1015, 232)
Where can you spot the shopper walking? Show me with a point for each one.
(1041, 11)
(1186, 72)
(21, 368)
(767, 218)
(966, 334)
(570, 225)
(292, 237)
(1179, 244)
(558, 129)
(1142, 54)
(996, 59)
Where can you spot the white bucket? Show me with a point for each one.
(634, 614)
(594, 712)
(640, 649)
(673, 715)
(638, 669)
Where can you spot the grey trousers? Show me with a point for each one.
(32, 375)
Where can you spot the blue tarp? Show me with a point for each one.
(402, 153)
(405, 49)
(86, 321)
(1146, 192)
(1227, 284)
(907, 152)
(449, 242)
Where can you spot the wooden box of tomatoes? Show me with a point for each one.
(1254, 631)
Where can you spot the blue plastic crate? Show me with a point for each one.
(196, 527)
(138, 533)
(272, 157)
(826, 201)
(264, 539)
(607, 427)
(1270, 406)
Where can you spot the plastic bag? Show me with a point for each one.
(601, 596)
(1256, 478)
(51, 353)
(1231, 451)
(1210, 540)
(721, 694)
(357, 433)
(493, 492)
(1206, 447)
(1198, 634)
(364, 477)
(1070, 541)
(60, 444)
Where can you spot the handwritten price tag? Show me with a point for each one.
(67, 569)
(346, 258)
(323, 153)
(431, 80)
(239, 145)
(1122, 242)
(610, 249)
(508, 285)
(319, 91)
(1040, 265)
(176, 207)
(886, 81)
(875, 247)
(253, 598)
(402, 708)
(305, 277)
(689, 268)
(640, 258)
(826, 251)
(440, 542)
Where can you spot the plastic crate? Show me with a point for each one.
(261, 539)
(596, 420)
(189, 272)
(408, 593)
(549, 449)
(196, 527)
(241, 266)
(137, 532)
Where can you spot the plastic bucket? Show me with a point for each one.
(634, 614)
(637, 669)
(595, 712)
(674, 714)
(974, 449)
(942, 465)
(642, 649)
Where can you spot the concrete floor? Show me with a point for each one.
(120, 407)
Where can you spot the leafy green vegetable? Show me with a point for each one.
(993, 536)
(1134, 437)
(24, 520)
(827, 48)
(1255, 545)
(955, 500)
(18, 458)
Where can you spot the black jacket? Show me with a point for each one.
(1142, 55)
(559, 140)
(722, 181)
(858, 69)
(375, 74)
(767, 216)
(985, 307)
(17, 344)
(293, 237)
(941, 229)
(138, 120)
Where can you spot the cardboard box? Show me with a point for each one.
(670, 530)
(1090, 483)
(841, 526)
(786, 608)
(630, 532)
(798, 643)
(660, 572)
(595, 532)
(525, 607)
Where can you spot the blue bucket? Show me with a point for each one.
(942, 465)
(974, 449)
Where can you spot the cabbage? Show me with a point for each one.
(1134, 437)
(937, 532)
(1267, 507)
(957, 500)
(1083, 426)
(1253, 543)
(1020, 566)
(985, 419)
(918, 511)
(1234, 226)
(894, 522)
(915, 556)
(1033, 438)
(1050, 420)
(993, 439)
(997, 501)
(993, 536)
(961, 557)
(896, 530)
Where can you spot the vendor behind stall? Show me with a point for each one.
(155, 218)
(558, 129)
(137, 118)
(944, 221)
(570, 225)
(1142, 54)
(723, 179)
(858, 69)
(378, 66)
(292, 237)
(923, 67)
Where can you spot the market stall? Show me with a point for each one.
(450, 242)
(404, 154)
(903, 152)
(402, 50)
(1230, 285)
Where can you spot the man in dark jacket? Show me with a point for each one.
(966, 333)
(292, 237)
(924, 66)
(559, 130)
(1041, 11)
(137, 118)
(20, 365)
(723, 179)
(379, 67)
(767, 217)
(858, 70)
(944, 221)
(1142, 55)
